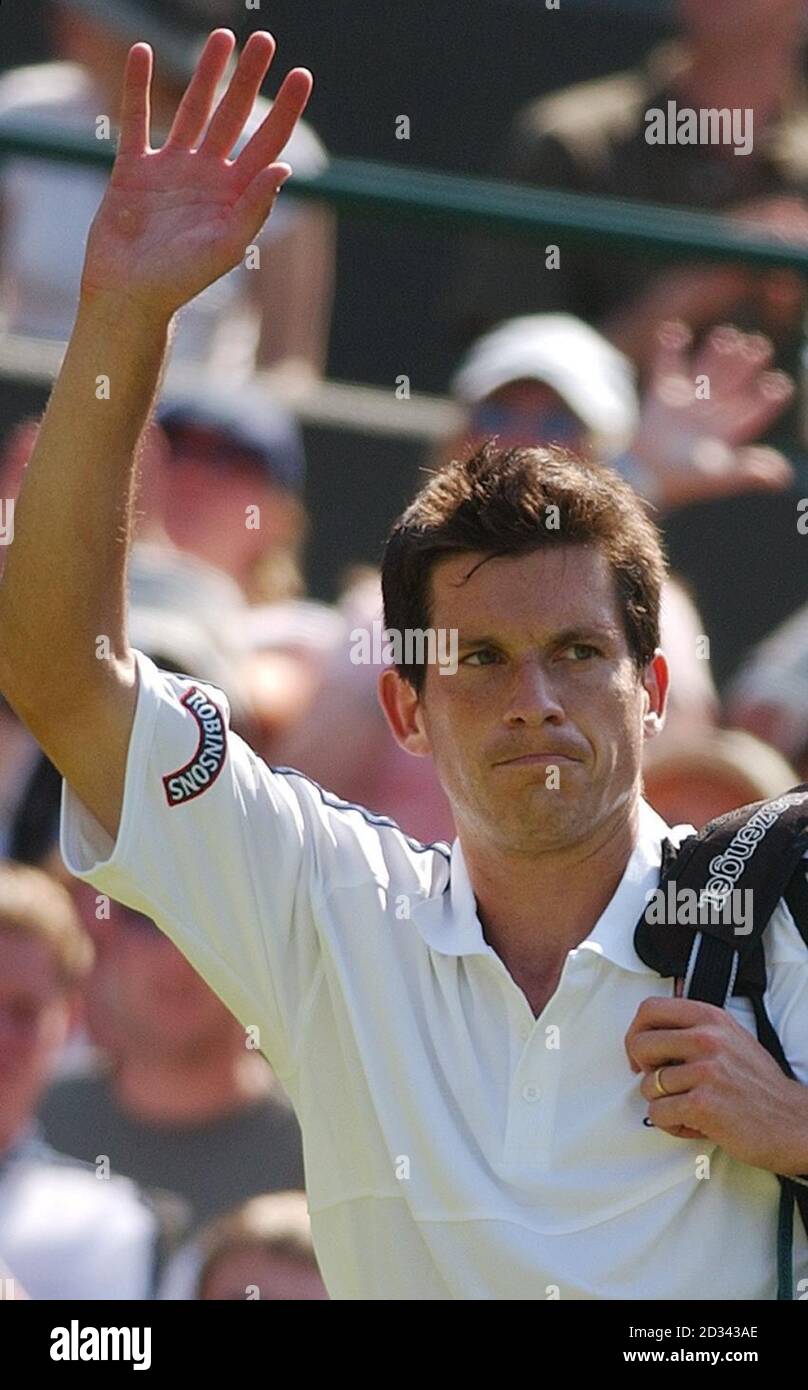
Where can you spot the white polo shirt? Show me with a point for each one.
(455, 1146)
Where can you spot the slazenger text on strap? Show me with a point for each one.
(727, 868)
(208, 760)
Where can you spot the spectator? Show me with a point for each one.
(696, 776)
(275, 314)
(289, 646)
(693, 703)
(236, 470)
(261, 1250)
(769, 694)
(64, 1233)
(182, 1102)
(549, 378)
(591, 138)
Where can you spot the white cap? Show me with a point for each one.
(596, 381)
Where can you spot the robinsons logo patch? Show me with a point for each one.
(208, 760)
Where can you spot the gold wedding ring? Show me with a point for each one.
(657, 1082)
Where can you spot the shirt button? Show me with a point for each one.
(524, 1031)
(530, 1092)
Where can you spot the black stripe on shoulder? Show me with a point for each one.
(336, 803)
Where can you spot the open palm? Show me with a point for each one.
(173, 220)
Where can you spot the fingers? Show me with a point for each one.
(195, 107)
(272, 136)
(239, 99)
(256, 202)
(672, 342)
(671, 1114)
(731, 359)
(675, 1077)
(135, 105)
(666, 1045)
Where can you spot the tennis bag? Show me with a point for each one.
(758, 850)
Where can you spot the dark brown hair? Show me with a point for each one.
(503, 502)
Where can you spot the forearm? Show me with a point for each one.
(65, 575)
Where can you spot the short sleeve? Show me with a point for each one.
(214, 847)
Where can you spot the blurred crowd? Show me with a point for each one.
(146, 1149)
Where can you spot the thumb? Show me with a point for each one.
(256, 202)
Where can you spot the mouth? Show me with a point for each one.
(536, 760)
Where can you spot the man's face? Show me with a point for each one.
(275, 1277)
(537, 737)
(143, 997)
(35, 1014)
(221, 504)
(528, 413)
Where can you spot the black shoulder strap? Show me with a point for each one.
(719, 890)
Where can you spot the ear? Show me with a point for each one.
(404, 713)
(656, 682)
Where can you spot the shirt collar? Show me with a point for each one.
(449, 923)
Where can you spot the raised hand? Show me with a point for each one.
(174, 220)
(696, 446)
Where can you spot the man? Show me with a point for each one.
(769, 694)
(551, 379)
(64, 1233)
(179, 1102)
(263, 1249)
(234, 484)
(469, 1039)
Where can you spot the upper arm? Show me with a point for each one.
(88, 740)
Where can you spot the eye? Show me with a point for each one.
(484, 656)
(585, 647)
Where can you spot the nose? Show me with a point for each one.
(532, 699)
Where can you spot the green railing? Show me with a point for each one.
(363, 187)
